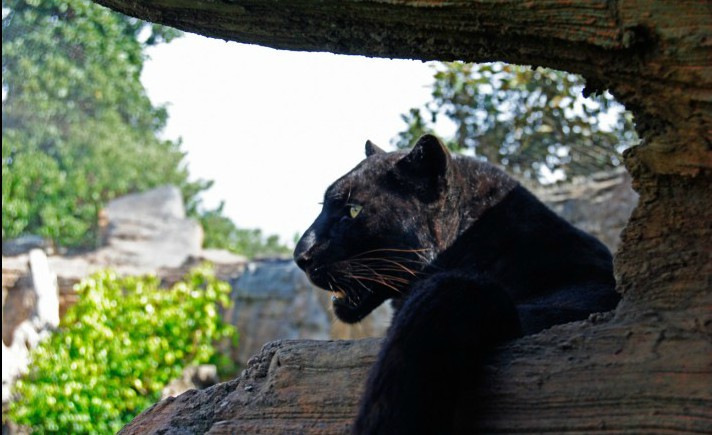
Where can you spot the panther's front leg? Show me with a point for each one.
(440, 335)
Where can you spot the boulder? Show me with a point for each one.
(149, 230)
(272, 300)
(24, 244)
(142, 233)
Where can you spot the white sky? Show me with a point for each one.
(274, 128)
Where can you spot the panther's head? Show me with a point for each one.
(380, 225)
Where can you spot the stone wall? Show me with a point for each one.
(599, 204)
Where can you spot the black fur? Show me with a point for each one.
(470, 259)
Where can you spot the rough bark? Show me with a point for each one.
(648, 369)
(593, 376)
(293, 386)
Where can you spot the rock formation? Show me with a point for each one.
(599, 204)
(149, 229)
(42, 318)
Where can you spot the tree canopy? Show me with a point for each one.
(532, 121)
(222, 233)
(78, 127)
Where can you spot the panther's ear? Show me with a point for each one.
(429, 158)
(372, 148)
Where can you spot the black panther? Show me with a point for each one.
(469, 258)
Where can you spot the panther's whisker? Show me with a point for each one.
(395, 269)
(412, 251)
(394, 258)
(399, 265)
(358, 278)
(379, 271)
(331, 279)
(361, 284)
(387, 278)
(346, 281)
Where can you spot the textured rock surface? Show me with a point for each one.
(273, 300)
(599, 204)
(149, 229)
(313, 387)
(42, 318)
(290, 387)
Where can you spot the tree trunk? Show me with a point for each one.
(649, 367)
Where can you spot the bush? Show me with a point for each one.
(220, 232)
(117, 348)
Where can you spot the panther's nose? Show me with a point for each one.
(303, 250)
(303, 260)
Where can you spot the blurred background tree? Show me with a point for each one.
(534, 122)
(222, 233)
(77, 126)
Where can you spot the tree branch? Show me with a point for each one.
(635, 48)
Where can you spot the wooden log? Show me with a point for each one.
(648, 368)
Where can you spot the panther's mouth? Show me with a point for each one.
(354, 293)
(338, 296)
(350, 305)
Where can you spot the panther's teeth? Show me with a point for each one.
(337, 294)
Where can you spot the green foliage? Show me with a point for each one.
(117, 348)
(531, 121)
(222, 233)
(77, 126)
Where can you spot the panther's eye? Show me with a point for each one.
(354, 210)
